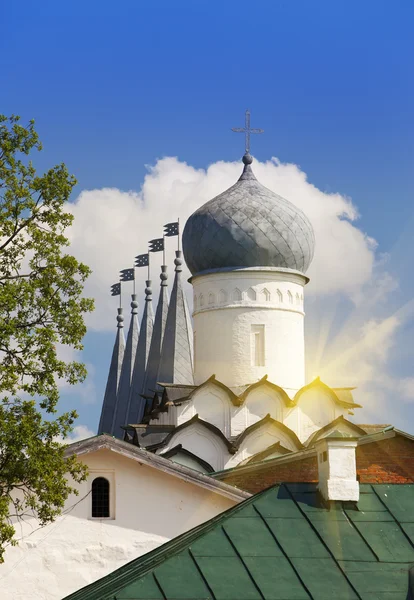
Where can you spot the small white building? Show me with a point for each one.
(131, 502)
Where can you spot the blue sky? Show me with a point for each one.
(115, 86)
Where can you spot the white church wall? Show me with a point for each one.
(196, 438)
(291, 419)
(259, 440)
(149, 507)
(213, 405)
(262, 401)
(184, 412)
(258, 403)
(316, 408)
(238, 419)
(252, 327)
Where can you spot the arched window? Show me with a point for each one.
(100, 497)
(222, 297)
(236, 296)
(251, 294)
(266, 294)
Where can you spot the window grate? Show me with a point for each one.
(100, 497)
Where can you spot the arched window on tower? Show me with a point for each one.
(100, 497)
(236, 295)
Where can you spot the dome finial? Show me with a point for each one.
(247, 130)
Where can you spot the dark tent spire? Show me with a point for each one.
(136, 403)
(176, 363)
(157, 335)
(109, 403)
(126, 372)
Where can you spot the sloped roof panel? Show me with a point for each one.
(282, 544)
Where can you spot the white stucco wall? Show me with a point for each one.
(150, 507)
(315, 409)
(199, 440)
(259, 440)
(227, 305)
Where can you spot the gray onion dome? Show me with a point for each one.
(248, 226)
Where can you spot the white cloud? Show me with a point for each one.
(80, 432)
(85, 391)
(112, 226)
(406, 388)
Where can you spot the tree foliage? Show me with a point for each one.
(41, 309)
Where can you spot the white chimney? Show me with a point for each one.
(337, 466)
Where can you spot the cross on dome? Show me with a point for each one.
(247, 130)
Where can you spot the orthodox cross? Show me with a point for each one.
(247, 131)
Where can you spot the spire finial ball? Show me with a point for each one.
(247, 159)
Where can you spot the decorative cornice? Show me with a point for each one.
(318, 383)
(316, 435)
(238, 400)
(265, 421)
(196, 420)
(288, 273)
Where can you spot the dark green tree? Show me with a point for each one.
(41, 308)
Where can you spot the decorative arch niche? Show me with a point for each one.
(262, 438)
(212, 405)
(263, 401)
(222, 296)
(236, 295)
(251, 294)
(203, 443)
(316, 409)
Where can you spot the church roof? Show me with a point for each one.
(176, 360)
(248, 225)
(124, 387)
(111, 391)
(136, 403)
(160, 320)
(148, 436)
(283, 543)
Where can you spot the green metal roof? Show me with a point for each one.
(281, 544)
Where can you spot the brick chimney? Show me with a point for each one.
(337, 466)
